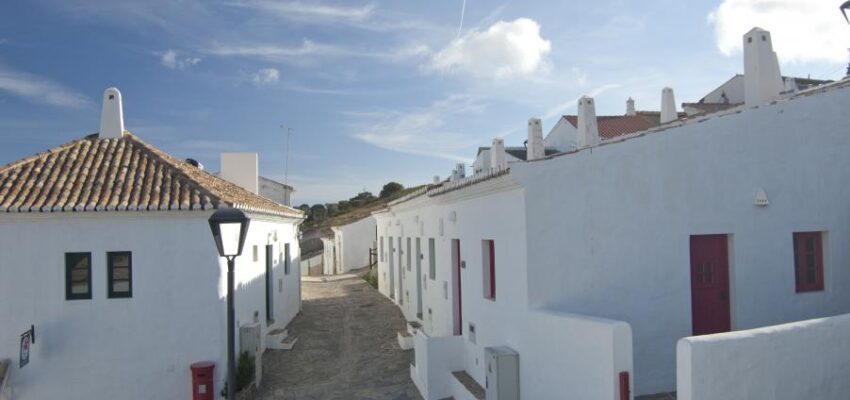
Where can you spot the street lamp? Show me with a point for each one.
(229, 227)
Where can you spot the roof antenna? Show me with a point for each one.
(844, 7)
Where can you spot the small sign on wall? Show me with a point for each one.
(27, 340)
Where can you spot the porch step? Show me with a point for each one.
(279, 339)
(413, 327)
(405, 340)
(472, 387)
(658, 396)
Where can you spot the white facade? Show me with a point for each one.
(605, 232)
(353, 243)
(273, 190)
(139, 347)
(563, 136)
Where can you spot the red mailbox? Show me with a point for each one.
(202, 380)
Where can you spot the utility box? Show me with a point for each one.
(502, 373)
(249, 340)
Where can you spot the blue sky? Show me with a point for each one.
(374, 90)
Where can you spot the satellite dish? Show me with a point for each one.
(844, 7)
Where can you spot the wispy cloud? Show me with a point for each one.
(38, 89)
(312, 12)
(802, 30)
(171, 59)
(266, 76)
(504, 50)
(423, 131)
(308, 49)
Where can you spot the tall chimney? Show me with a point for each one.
(535, 140)
(630, 107)
(668, 106)
(242, 169)
(762, 80)
(497, 154)
(588, 129)
(111, 115)
(461, 170)
(436, 179)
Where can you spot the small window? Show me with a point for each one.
(119, 271)
(808, 261)
(286, 259)
(256, 253)
(488, 258)
(432, 260)
(77, 276)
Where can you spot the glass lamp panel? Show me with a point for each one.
(230, 237)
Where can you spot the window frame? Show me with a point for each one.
(488, 268)
(801, 284)
(69, 295)
(286, 258)
(110, 291)
(432, 259)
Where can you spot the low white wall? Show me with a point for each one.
(800, 360)
(357, 238)
(573, 356)
(436, 359)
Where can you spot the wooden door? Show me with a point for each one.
(710, 308)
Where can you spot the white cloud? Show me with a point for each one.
(172, 60)
(424, 131)
(313, 12)
(274, 52)
(802, 30)
(266, 76)
(505, 49)
(38, 89)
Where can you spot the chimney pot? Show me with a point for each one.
(497, 154)
(111, 115)
(668, 106)
(535, 145)
(588, 127)
(762, 79)
(630, 107)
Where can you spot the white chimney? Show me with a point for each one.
(461, 170)
(242, 169)
(630, 107)
(668, 106)
(762, 80)
(111, 115)
(497, 154)
(534, 147)
(588, 129)
(790, 86)
(436, 179)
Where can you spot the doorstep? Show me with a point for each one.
(472, 389)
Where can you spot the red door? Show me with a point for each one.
(710, 284)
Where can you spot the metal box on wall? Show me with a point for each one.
(502, 373)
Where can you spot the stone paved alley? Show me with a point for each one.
(346, 349)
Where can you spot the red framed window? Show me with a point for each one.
(808, 261)
(488, 257)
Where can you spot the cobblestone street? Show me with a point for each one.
(346, 349)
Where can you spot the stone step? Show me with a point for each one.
(472, 387)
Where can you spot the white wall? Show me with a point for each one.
(611, 226)
(356, 239)
(139, 347)
(801, 360)
(563, 136)
(241, 169)
(275, 191)
(551, 344)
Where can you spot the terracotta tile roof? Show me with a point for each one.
(616, 125)
(92, 174)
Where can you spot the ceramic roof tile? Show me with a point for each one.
(92, 174)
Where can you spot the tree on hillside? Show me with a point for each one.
(318, 212)
(390, 189)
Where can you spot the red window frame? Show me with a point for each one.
(808, 261)
(489, 253)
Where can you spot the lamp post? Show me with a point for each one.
(229, 227)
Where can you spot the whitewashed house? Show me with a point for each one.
(354, 242)
(593, 263)
(107, 251)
